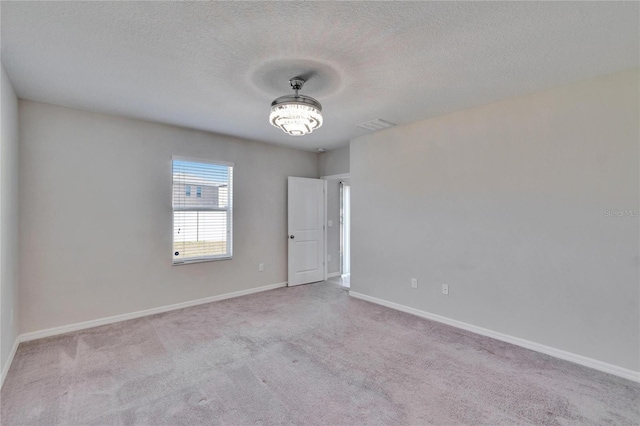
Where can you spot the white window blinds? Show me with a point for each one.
(202, 210)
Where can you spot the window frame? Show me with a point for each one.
(228, 209)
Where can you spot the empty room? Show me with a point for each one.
(320, 213)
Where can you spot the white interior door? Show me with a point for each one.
(306, 232)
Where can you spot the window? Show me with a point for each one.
(202, 225)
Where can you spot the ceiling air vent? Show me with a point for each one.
(375, 125)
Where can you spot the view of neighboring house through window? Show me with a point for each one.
(202, 225)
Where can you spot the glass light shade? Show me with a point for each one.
(295, 119)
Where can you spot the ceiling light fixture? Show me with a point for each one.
(296, 114)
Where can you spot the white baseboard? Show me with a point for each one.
(124, 317)
(558, 353)
(333, 274)
(7, 364)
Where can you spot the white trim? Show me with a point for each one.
(229, 209)
(338, 176)
(558, 353)
(325, 225)
(124, 317)
(7, 365)
(201, 260)
(200, 160)
(326, 246)
(334, 274)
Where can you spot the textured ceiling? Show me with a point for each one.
(218, 65)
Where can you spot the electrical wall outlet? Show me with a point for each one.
(445, 288)
(414, 283)
(330, 223)
(328, 258)
(261, 267)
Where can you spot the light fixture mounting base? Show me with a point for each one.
(296, 83)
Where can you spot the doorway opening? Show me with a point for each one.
(345, 233)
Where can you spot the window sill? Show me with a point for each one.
(201, 260)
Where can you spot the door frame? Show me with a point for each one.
(345, 248)
(328, 178)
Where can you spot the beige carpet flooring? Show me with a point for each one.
(305, 355)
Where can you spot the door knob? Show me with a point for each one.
(292, 236)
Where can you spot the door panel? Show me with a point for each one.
(306, 232)
(306, 256)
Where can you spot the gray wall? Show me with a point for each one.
(334, 162)
(511, 205)
(8, 217)
(96, 226)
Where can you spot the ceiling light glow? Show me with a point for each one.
(296, 115)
